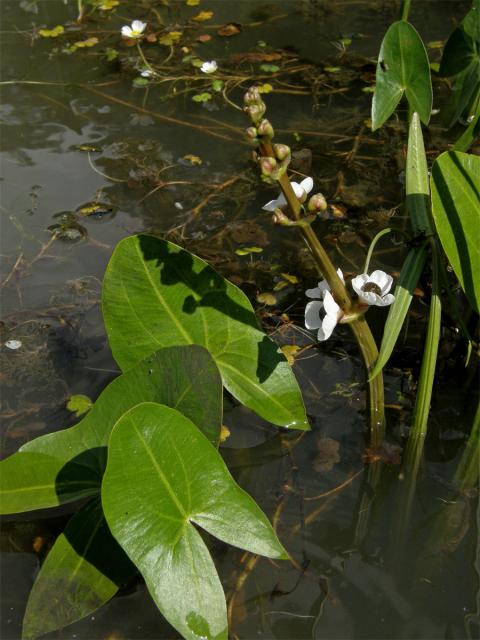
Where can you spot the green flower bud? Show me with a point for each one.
(267, 166)
(279, 217)
(265, 129)
(252, 96)
(282, 151)
(317, 203)
(256, 111)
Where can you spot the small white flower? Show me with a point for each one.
(209, 67)
(317, 292)
(327, 324)
(135, 31)
(147, 73)
(301, 191)
(13, 344)
(373, 289)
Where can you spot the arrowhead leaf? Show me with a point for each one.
(403, 67)
(156, 294)
(163, 478)
(68, 465)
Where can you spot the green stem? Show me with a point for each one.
(405, 9)
(468, 471)
(359, 326)
(144, 60)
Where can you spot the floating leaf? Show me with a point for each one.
(107, 5)
(156, 491)
(203, 16)
(265, 88)
(52, 33)
(402, 67)
(82, 571)
(455, 186)
(89, 42)
(192, 159)
(170, 38)
(192, 3)
(230, 29)
(111, 54)
(79, 404)
(269, 68)
(68, 465)
(202, 97)
(268, 299)
(140, 82)
(217, 85)
(245, 251)
(184, 301)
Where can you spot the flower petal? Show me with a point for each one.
(307, 185)
(386, 300)
(331, 307)
(358, 282)
(369, 297)
(139, 26)
(299, 190)
(316, 292)
(383, 280)
(271, 205)
(312, 315)
(340, 275)
(328, 325)
(126, 32)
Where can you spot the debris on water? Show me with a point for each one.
(327, 454)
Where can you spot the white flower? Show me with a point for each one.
(209, 67)
(147, 73)
(373, 289)
(301, 191)
(135, 31)
(317, 292)
(13, 344)
(327, 324)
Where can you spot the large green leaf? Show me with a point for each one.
(409, 275)
(156, 294)
(403, 67)
(67, 465)
(82, 571)
(417, 186)
(163, 477)
(455, 184)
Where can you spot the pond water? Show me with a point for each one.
(162, 162)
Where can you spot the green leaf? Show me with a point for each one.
(402, 67)
(157, 294)
(455, 184)
(469, 136)
(163, 479)
(68, 465)
(202, 97)
(82, 571)
(411, 271)
(417, 181)
(79, 404)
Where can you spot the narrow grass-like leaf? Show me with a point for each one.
(411, 271)
(82, 571)
(156, 294)
(414, 449)
(468, 471)
(403, 67)
(68, 465)
(417, 182)
(163, 480)
(455, 186)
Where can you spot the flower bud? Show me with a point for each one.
(256, 111)
(280, 218)
(265, 129)
(252, 135)
(251, 96)
(317, 203)
(267, 166)
(282, 151)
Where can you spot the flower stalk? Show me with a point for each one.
(255, 108)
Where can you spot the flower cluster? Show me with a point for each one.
(324, 313)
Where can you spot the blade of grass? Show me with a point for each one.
(468, 471)
(409, 276)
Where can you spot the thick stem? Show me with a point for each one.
(360, 327)
(405, 9)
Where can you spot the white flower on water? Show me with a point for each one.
(147, 73)
(209, 67)
(13, 344)
(135, 31)
(331, 316)
(301, 191)
(373, 289)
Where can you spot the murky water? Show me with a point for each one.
(357, 571)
